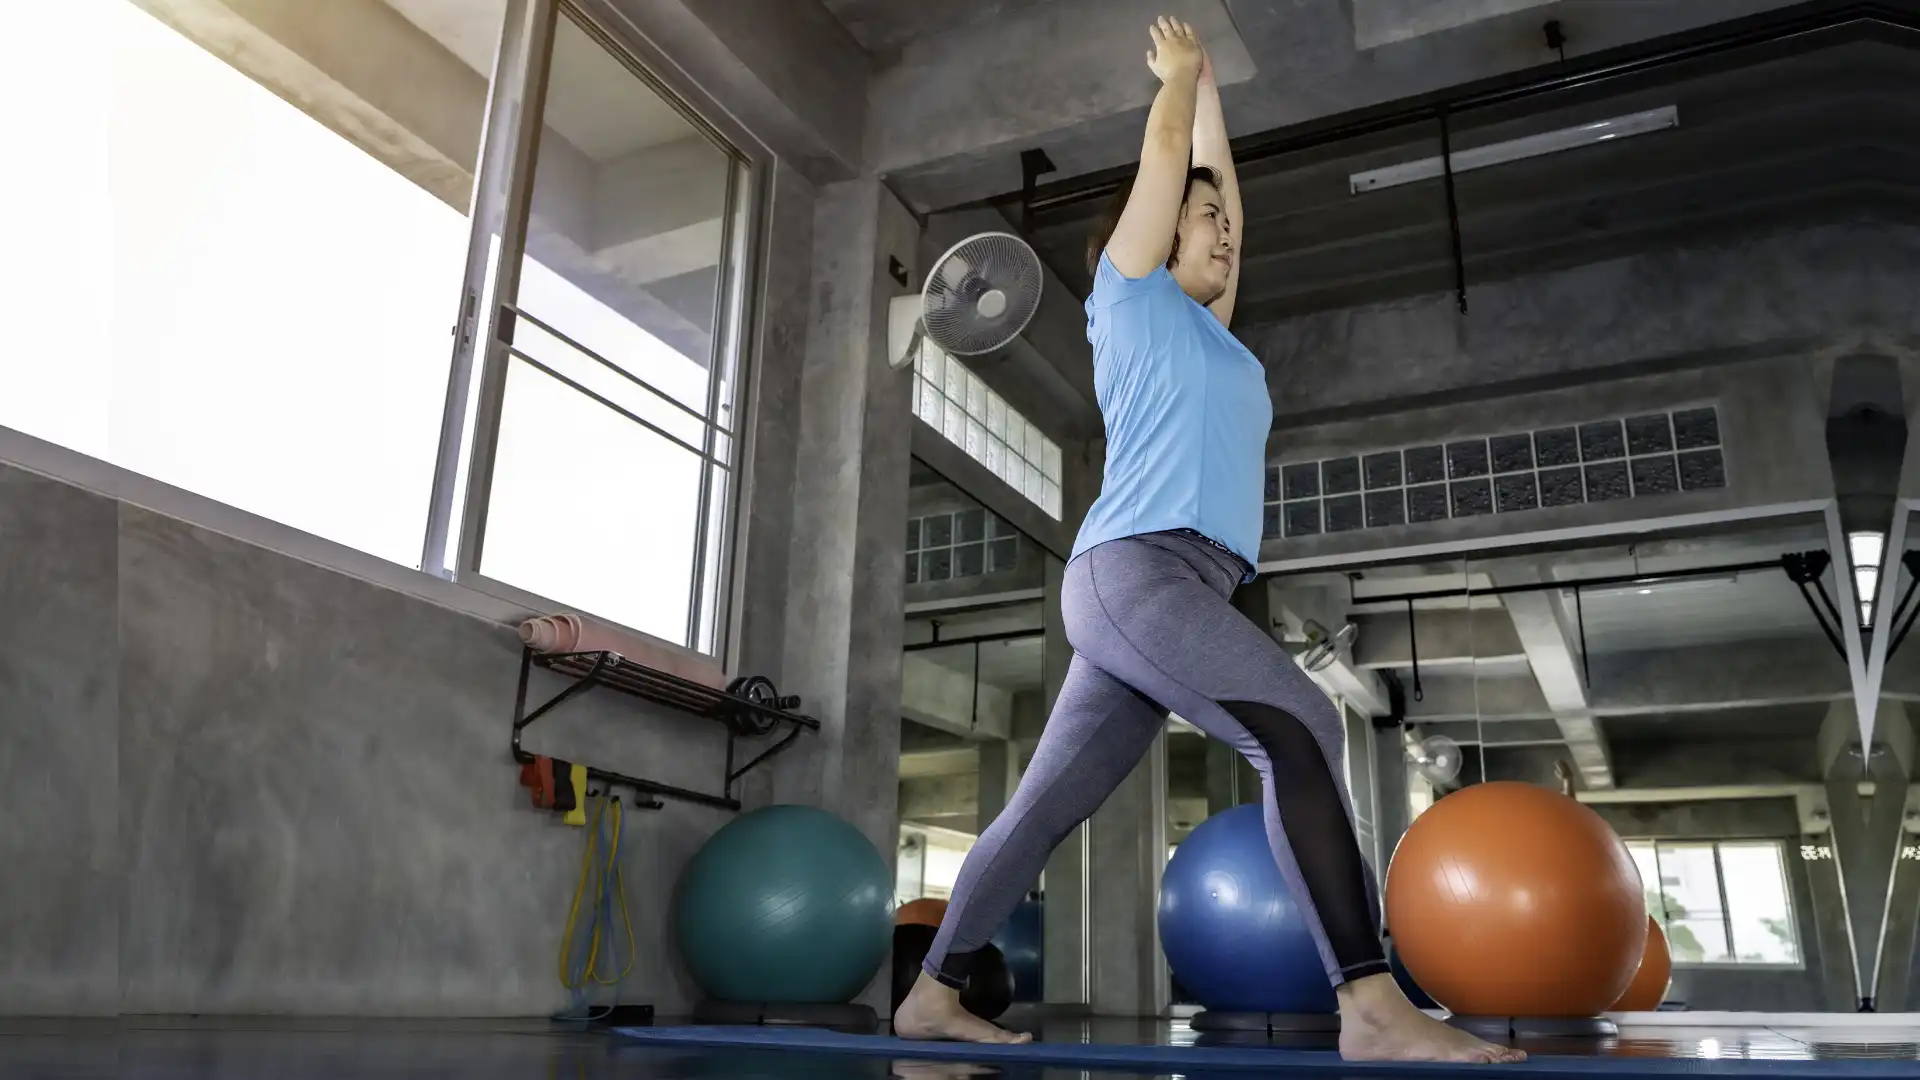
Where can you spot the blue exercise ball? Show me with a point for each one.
(787, 905)
(1232, 933)
(1021, 941)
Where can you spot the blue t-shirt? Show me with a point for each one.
(1187, 416)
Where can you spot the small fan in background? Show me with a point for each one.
(1436, 757)
(1324, 648)
(977, 298)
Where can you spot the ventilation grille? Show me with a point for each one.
(1621, 458)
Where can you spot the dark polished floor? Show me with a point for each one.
(153, 1049)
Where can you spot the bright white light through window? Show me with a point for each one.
(230, 297)
(954, 401)
(1866, 549)
(1720, 902)
(238, 301)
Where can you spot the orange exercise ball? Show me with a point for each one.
(926, 911)
(1508, 899)
(1649, 987)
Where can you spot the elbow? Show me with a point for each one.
(1166, 143)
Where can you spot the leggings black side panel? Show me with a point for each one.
(1313, 815)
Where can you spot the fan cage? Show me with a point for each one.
(951, 311)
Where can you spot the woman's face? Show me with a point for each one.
(1205, 252)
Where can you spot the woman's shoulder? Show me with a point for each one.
(1111, 286)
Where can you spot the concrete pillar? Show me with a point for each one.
(1128, 845)
(846, 574)
(1065, 916)
(1390, 779)
(1231, 780)
(1898, 989)
(1832, 939)
(999, 772)
(1867, 800)
(1222, 780)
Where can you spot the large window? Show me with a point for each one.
(216, 289)
(242, 277)
(1720, 902)
(953, 400)
(612, 466)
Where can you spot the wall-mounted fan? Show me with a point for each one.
(977, 298)
(1436, 757)
(1324, 648)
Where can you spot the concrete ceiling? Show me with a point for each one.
(1785, 721)
(1308, 61)
(470, 29)
(884, 25)
(602, 108)
(1730, 653)
(1794, 140)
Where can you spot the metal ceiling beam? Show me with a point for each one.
(1540, 621)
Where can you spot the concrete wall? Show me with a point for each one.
(1900, 965)
(783, 303)
(1751, 325)
(60, 901)
(291, 787)
(1798, 293)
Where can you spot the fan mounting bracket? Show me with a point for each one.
(1034, 164)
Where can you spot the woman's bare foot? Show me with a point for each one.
(933, 1011)
(1378, 1023)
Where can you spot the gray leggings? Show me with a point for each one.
(1152, 631)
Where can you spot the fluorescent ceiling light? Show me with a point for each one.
(1647, 588)
(1500, 153)
(1866, 548)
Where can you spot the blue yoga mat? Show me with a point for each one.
(1197, 1059)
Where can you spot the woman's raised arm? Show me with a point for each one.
(1143, 239)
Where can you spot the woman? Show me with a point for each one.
(1176, 529)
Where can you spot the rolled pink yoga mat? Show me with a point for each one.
(573, 634)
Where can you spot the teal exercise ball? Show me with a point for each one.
(788, 905)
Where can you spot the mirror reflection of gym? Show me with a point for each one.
(1688, 688)
(973, 698)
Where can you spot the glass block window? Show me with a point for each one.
(1618, 458)
(953, 401)
(961, 544)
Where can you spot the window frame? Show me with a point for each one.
(1781, 850)
(483, 352)
(988, 537)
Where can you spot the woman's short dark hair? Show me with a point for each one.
(1110, 220)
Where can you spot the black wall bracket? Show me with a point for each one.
(749, 708)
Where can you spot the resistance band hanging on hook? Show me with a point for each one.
(579, 973)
